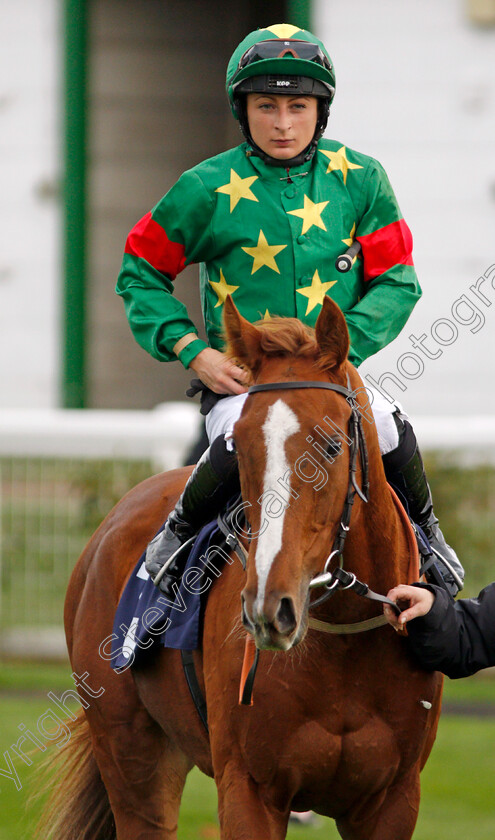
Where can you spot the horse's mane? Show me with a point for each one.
(287, 337)
(284, 337)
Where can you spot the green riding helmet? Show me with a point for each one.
(281, 59)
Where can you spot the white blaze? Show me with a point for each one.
(280, 424)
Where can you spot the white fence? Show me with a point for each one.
(60, 474)
(62, 471)
(161, 436)
(164, 434)
(469, 439)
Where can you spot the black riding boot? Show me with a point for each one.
(214, 480)
(405, 470)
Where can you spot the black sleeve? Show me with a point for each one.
(455, 637)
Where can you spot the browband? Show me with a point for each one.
(284, 386)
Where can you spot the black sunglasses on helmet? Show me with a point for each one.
(280, 49)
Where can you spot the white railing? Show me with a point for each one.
(469, 438)
(161, 436)
(164, 434)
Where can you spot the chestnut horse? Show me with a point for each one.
(341, 724)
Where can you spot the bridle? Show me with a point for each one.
(339, 578)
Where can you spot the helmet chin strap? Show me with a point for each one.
(287, 163)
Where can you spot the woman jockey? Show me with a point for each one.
(266, 221)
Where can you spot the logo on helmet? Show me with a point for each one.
(277, 82)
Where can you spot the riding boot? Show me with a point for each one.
(405, 470)
(214, 480)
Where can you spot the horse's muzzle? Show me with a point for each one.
(274, 625)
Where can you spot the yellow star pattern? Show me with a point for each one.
(310, 214)
(222, 289)
(238, 188)
(349, 241)
(282, 30)
(267, 316)
(264, 254)
(339, 162)
(316, 292)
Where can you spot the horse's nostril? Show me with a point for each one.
(245, 618)
(285, 620)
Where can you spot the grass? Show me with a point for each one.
(464, 503)
(457, 783)
(26, 677)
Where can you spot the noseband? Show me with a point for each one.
(338, 578)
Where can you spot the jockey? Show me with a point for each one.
(266, 221)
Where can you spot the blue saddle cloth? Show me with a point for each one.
(145, 616)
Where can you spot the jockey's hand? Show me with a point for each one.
(219, 373)
(415, 600)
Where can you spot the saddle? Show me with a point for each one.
(145, 616)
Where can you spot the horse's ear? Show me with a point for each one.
(332, 334)
(244, 339)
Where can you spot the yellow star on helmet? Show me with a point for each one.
(339, 162)
(316, 292)
(310, 214)
(349, 241)
(282, 30)
(238, 188)
(264, 254)
(222, 289)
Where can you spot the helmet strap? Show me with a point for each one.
(287, 163)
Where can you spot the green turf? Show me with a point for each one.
(458, 782)
(31, 677)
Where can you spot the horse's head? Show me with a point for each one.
(293, 451)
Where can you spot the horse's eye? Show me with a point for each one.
(334, 447)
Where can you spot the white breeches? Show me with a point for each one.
(227, 411)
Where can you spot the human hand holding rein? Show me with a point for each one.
(417, 602)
